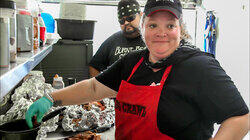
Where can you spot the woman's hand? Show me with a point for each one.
(38, 109)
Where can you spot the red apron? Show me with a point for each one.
(136, 110)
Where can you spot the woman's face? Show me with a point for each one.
(161, 32)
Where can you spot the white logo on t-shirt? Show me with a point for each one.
(166, 0)
(121, 51)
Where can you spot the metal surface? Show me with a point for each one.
(4, 42)
(59, 134)
(93, 2)
(60, 60)
(24, 32)
(26, 61)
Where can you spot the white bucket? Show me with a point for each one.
(72, 11)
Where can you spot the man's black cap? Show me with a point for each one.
(127, 8)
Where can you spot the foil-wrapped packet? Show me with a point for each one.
(17, 111)
(49, 125)
(32, 88)
(80, 118)
(74, 118)
(106, 119)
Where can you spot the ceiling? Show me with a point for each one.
(185, 3)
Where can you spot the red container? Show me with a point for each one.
(42, 33)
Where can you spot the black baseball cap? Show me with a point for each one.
(173, 6)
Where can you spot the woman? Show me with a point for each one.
(169, 91)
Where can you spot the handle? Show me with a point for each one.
(53, 114)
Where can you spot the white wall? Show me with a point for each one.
(51, 8)
(107, 23)
(189, 18)
(201, 16)
(233, 42)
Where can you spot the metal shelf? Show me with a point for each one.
(26, 61)
(186, 4)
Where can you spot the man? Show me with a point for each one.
(121, 42)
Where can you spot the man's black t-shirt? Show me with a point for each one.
(115, 47)
(196, 94)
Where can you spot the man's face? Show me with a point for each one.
(130, 25)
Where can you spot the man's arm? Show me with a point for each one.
(234, 128)
(93, 72)
(82, 92)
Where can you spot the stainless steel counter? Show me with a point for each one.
(26, 61)
(107, 135)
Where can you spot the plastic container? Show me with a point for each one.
(50, 37)
(72, 11)
(71, 81)
(75, 29)
(36, 37)
(42, 31)
(4, 42)
(49, 22)
(7, 13)
(58, 82)
(24, 30)
(13, 46)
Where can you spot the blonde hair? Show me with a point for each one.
(184, 33)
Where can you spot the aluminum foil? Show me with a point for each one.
(109, 103)
(77, 118)
(32, 88)
(74, 118)
(48, 126)
(107, 116)
(106, 119)
(17, 111)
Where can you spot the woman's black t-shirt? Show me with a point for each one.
(196, 94)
